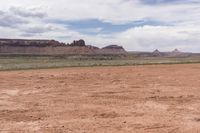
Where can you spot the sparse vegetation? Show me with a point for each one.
(17, 62)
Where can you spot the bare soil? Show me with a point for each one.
(133, 99)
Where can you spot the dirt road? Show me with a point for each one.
(134, 99)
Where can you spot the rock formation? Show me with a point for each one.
(156, 53)
(92, 47)
(176, 51)
(113, 47)
(29, 43)
(52, 47)
(116, 49)
(79, 43)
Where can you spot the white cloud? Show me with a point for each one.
(28, 19)
(23, 12)
(116, 11)
(161, 37)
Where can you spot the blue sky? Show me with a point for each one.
(152, 2)
(138, 25)
(95, 26)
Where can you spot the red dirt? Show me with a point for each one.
(160, 98)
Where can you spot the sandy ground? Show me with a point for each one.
(134, 99)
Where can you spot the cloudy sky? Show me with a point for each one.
(138, 25)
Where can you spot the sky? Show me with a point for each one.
(137, 25)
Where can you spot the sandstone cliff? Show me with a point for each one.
(52, 47)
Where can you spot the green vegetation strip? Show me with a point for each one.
(42, 62)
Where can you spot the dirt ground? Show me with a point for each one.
(133, 99)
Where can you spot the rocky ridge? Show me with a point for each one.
(52, 47)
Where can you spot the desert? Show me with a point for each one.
(99, 66)
(126, 99)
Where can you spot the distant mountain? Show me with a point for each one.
(113, 49)
(176, 51)
(156, 53)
